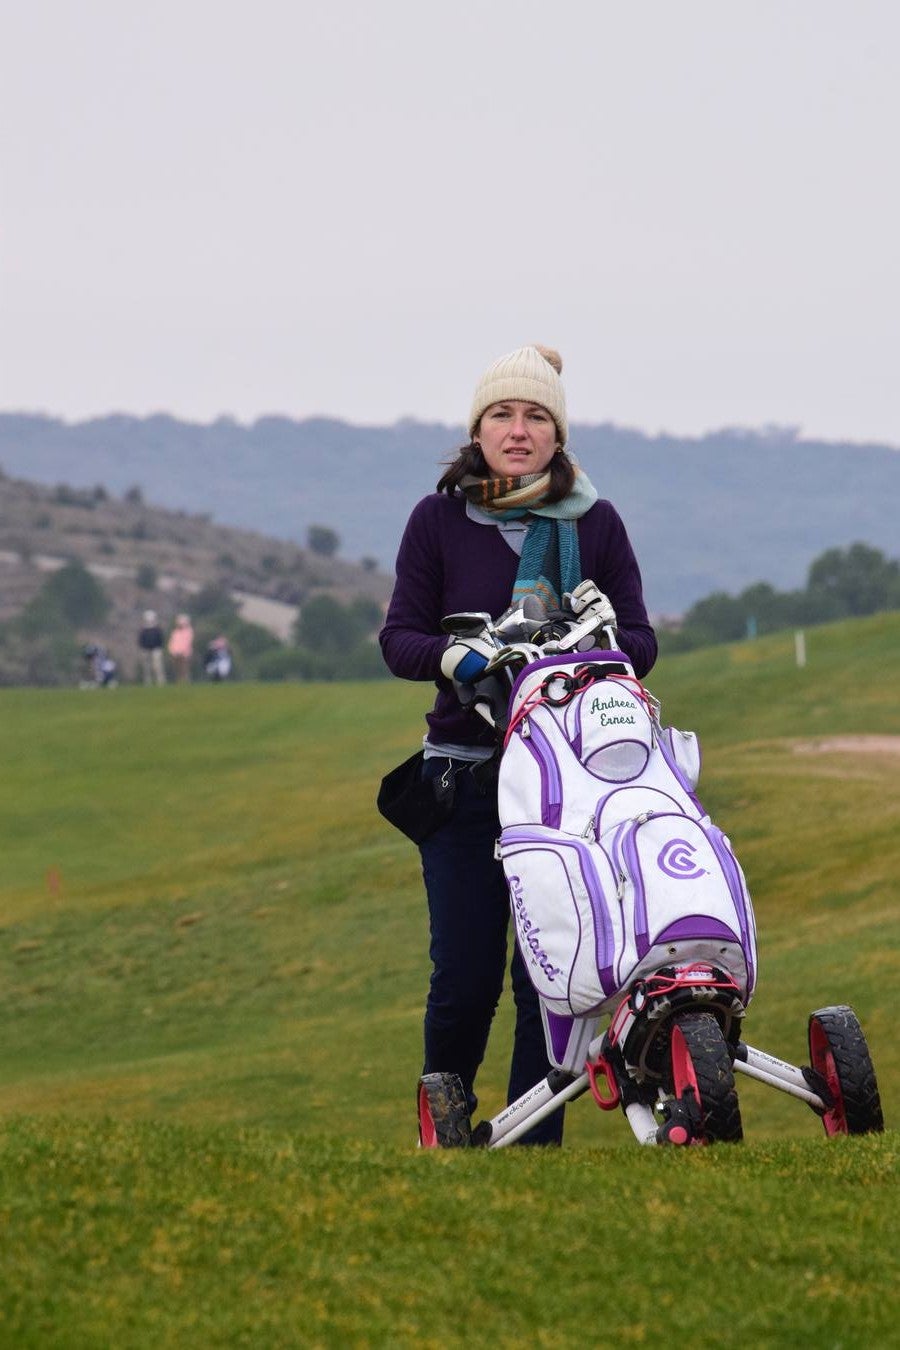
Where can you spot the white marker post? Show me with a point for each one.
(800, 648)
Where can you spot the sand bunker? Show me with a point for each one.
(851, 745)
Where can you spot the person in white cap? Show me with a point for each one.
(513, 515)
(150, 649)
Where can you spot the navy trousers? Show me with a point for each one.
(468, 906)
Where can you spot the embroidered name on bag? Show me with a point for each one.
(608, 718)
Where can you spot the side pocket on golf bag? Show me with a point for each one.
(684, 898)
(568, 923)
(681, 749)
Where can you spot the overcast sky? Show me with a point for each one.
(349, 208)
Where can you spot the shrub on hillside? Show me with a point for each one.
(40, 646)
(46, 659)
(322, 540)
(146, 577)
(70, 598)
(214, 602)
(251, 639)
(858, 580)
(294, 663)
(842, 583)
(325, 624)
(64, 495)
(362, 662)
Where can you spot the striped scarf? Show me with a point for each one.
(551, 562)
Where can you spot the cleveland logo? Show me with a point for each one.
(676, 859)
(528, 932)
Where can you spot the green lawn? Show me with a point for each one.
(167, 1235)
(212, 969)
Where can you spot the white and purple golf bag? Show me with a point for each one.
(613, 866)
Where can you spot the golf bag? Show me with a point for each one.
(614, 868)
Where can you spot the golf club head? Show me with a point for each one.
(522, 620)
(469, 623)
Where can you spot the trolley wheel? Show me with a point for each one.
(700, 1067)
(443, 1112)
(838, 1051)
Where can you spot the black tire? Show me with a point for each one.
(699, 1057)
(839, 1053)
(443, 1112)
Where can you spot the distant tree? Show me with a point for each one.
(134, 496)
(39, 659)
(215, 601)
(249, 639)
(841, 583)
(720, 617)
(369, 614)
(368, 564)
(65, 495)
(70, 598)
(859, 579)
(79, 595)
(146, 577)
(325, 625)
(322, 540)
(295, 663)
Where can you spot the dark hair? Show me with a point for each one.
(470, 460)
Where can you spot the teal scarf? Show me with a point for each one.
(550, 563)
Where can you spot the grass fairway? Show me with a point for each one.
(212, 966)
(168, 1235)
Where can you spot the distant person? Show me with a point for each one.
(181, 648)
(150, 646)
(102, 669)
(217, 659)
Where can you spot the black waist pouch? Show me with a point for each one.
(415, 805)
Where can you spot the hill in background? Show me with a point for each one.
(150, 557)
(713, 513)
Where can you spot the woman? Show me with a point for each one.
(512, 514)
(181, 648)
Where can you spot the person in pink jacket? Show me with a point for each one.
(181, 647)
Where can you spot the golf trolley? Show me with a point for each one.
(628, 904)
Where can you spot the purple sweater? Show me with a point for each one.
(448, 563)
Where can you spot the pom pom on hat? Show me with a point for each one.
(529, 373)
(550, 355)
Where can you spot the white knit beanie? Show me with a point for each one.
(529, 373)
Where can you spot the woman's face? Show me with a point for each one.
(516, 438)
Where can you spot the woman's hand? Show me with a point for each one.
(465, 658)
(587, 601)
